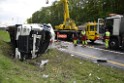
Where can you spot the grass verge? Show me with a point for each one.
(61, 68)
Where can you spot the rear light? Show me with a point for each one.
(97, 37)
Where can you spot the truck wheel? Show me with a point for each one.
(23, 57)
(113, 44)
(92, 41)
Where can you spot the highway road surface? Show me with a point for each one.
(95, 52)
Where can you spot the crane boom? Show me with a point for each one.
(66, 10)
(68, 27)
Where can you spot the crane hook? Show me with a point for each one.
(47, 1)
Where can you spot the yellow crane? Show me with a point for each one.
(68, 27)
(68, 23)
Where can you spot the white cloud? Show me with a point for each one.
(17, 11)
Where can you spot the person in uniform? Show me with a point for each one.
(84, 39)
(107, 38)
(75, 38)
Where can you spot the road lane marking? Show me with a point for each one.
(99, 49)
(86, 55)
(108, 51)
(103, 49)
(94, 57)
(116, 63)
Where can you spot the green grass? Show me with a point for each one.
(61, 68)
(4, 36)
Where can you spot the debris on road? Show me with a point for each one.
(90, 74)
(74, 82)
(80, 62)
(98, 77)
(72, 55)
(43, 63)
(101, 60)
(45, 76)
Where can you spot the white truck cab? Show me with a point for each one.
(115, 24)
(30, 40)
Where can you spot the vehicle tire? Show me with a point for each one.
(23, 57)
(92, 41)
(113, 44)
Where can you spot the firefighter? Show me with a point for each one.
(75, 38)
(107, 37)
(84, 41)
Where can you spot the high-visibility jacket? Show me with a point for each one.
(83, 35)
(83, 32)
(107, 35)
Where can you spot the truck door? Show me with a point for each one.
(92, 32)
(116, 26)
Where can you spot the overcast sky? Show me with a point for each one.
(17, 11)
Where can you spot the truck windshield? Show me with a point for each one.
(92, 28)
(109, 22)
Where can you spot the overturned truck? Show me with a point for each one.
(29, 40)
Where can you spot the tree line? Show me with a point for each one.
(80, 11)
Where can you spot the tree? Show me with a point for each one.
(81, 11)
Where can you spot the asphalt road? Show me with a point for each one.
(95, 52)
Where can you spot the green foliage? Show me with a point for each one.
(81, 11)
(4, 36)
(50, 14)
